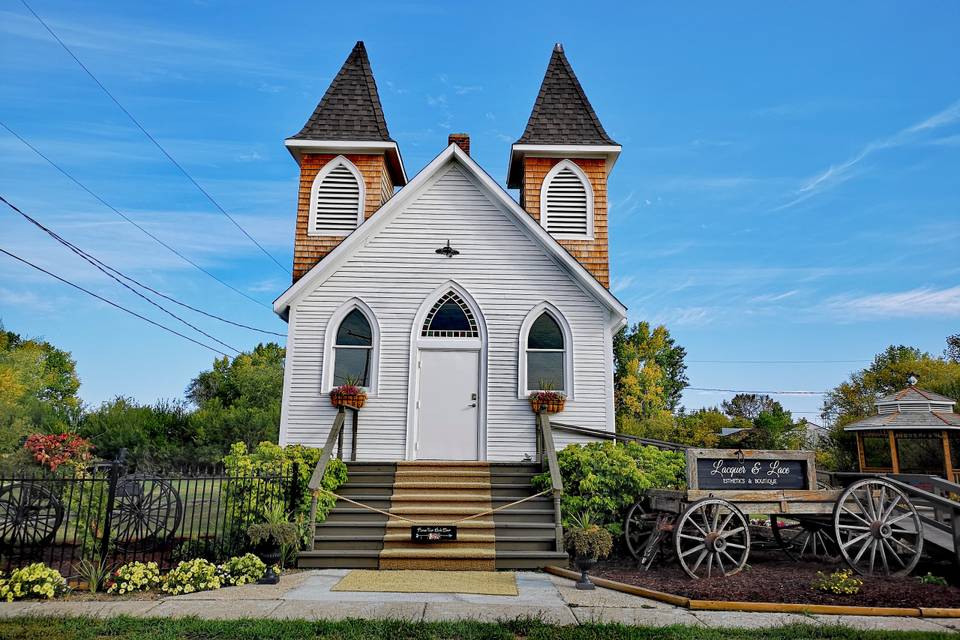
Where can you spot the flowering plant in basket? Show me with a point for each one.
(349, 394)
(547, 399)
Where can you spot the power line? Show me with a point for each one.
(769, 393)
(779, 361)
(111, 303)
(89, 257)
(128, 219)
(94, 262)
(152, 139)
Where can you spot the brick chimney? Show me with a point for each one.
(462, 140)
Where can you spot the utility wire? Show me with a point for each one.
(772, 393)
(152, 139)
(95, 262)
(110, 302)
(87, 256)
(128, 219)
(778, 361)
(100, 263)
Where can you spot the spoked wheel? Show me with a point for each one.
(804, 539)
(712, 538)
(29, 515)
(146, 513)
(638, 528)
(877, 529)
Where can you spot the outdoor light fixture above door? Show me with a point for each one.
(448, 251)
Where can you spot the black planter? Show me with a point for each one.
(269, 553)
(584, 564)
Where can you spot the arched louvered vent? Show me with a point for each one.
(336, 201)
(450, 317)
(566, 208)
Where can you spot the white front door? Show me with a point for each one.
(448, 402)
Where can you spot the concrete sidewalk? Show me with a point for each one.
(553, 599)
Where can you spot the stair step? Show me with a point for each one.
(432, 551)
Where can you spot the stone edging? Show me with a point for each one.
(760, 607)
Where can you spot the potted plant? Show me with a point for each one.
(268, 537)
(586, 543)
(349, 394)
(547, 399)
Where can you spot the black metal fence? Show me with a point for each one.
(112, 514)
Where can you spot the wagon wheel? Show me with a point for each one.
(29, 515)
(712, 537)
(146, 513)
(804, 538)
(877, 528)
(638, 528)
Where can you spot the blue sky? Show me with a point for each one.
(787, 190)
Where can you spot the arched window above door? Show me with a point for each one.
(450, 317)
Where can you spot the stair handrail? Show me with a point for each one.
(549, 460)
(316, 480)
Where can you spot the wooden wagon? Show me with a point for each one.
(871, 524)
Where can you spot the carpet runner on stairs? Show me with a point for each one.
(441, 493)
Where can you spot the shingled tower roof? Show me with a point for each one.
(350, 109)
(562, 114)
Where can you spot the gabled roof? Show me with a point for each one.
(350, 109)
(918, 420)
(328, 265)
(562, 113)
(914, 394)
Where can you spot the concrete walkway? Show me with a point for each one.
(553, 599)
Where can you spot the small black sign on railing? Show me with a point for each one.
(432, 534)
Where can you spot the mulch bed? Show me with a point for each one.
(771, 578)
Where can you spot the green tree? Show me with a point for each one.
(649, 375)
(38, 389)
(238, 400)
(854, 398)
(748, 405)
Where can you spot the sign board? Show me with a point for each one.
(750, 470)
(433, 533)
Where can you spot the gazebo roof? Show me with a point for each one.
(911, 408)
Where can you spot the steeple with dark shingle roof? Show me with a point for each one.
(350, 109)
(562, 114)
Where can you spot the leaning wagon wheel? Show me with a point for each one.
(146, 513)
(805, 538)
(877, 528)
(29, 515)
(712, 537)
(638, 528)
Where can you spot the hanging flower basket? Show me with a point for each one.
(547, 401)
(348, 395)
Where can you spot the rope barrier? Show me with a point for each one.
(428, 522)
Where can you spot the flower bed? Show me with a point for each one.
(771, 577)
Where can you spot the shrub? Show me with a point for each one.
(33, 581)
(268, 461)
(55, 449)
(839, 582)
(605, 479)
(191, 576)
(93, 571)
(242, 570)
(586, 538)
(932, 579)
(134, 576)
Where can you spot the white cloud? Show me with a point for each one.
(621, 283)
(915, 303)
(840, 173)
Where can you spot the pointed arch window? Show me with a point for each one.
(567, 202)
(450, 317)
(336, 199)
(546, 352)
(352, 350)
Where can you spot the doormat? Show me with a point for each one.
(491, 583)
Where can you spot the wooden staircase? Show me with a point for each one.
(521, 536)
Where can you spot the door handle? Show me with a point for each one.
(472, 404)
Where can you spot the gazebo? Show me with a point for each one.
(914, 431)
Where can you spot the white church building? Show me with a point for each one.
(445, 298)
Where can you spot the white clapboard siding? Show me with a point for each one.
(336, 203)
(566, 206)
(394, 272)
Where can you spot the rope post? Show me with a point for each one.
(313, 522)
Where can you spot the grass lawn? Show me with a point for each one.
(124, 628)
